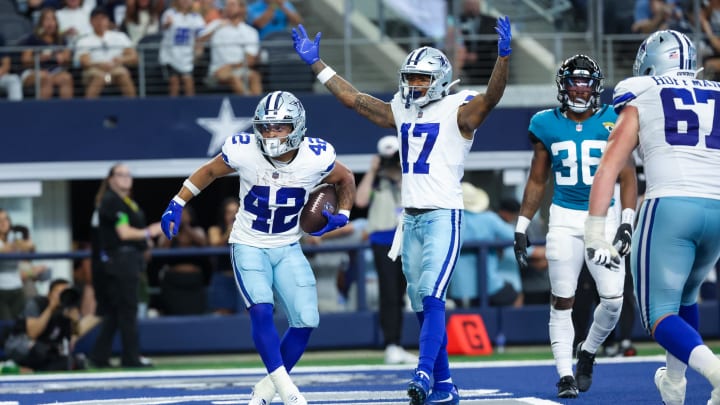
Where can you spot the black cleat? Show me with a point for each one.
(584, 368)
(567, 387)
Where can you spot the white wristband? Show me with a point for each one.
(522, 224)
(594, 227)
(325, 74)
(190, 186)
(345, 212)
(179, 200)
(628, 216)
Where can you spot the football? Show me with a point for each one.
(322, 197)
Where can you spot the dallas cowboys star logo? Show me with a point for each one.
(223, 126)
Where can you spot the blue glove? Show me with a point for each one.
(504, 36)
(172, 215)
(335, 221)
(309, 51)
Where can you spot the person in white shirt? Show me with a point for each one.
(177, 53)
(74, 19)
(234, 49)
(104, 56)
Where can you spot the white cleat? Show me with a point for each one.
(395, 354)
(672, 392)
(263, 392)
(293, 398)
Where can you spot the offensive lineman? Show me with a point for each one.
(674, 119)
(435, 131)
(568, 142)
(278, 166)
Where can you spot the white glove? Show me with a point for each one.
(597, 248)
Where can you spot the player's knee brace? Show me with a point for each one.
(612, 305)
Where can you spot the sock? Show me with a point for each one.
(677, 337)
(431, 333)
(704, 361)
(293, 345)
(691, 315)
(265, 336)
(561, 339)
(675, 367)
(605, 317)
(441, 371)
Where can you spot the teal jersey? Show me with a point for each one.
(575, 150)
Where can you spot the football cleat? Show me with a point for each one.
(443, 395)
(263, 392)
(672, 392)
(584, 368)
(567, 387)
(418, 388)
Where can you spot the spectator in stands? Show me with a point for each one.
(9, 81)
(142, 17)
(46, 44)
(379, 190)
(74, 19)
(180, 27)
(124, 237)
(270, 16)
(223, 297)
(43, 338)
(31, 8)
(480, 54)
(30, 273)
(12, 298)
(503, 285)
(710, 24)
(234, 48)
(182, 289)
(653, 15)
(207, 9)
(105, 56)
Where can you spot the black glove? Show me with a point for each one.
(623, 239)
(520, 247)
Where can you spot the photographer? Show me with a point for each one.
(44, 337)
(379, 190)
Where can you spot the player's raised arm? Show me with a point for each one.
(474, 113)
(372, 108)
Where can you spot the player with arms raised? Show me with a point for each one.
(568, 142)
(278, 167)
(435, 130)
(673, 117)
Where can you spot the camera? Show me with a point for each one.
(70, 298)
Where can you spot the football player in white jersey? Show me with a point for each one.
(278, 166)
(673, 118)
(435, 130)
(567, 144)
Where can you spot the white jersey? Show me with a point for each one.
(432, 151)
(271, 197)
(231, 43)
(177, 48)
(103, 49)
(679, 139)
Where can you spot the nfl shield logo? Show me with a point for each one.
(275, 175)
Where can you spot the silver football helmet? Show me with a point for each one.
(425, 61)
(666, 52)
(578, 72)
(279, 107)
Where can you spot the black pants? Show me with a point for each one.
(122, 275)
(392, 286)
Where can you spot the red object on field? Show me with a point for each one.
(467, 335)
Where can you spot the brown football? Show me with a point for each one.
(322, 197)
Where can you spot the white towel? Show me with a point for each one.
(396, 247)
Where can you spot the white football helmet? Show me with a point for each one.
(426, 61)
(279, 107)
(576, 72)
(666, 52)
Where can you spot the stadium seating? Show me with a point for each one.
(13, 27)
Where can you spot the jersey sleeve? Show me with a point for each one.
(537, 125)
(236, 148)
(628, 90)
(321, 155)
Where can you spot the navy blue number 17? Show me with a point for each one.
(420, 165)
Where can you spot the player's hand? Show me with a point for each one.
(309, 51)
(623, 239)
(504, 36)
(170, 221)
(335, 221)
(520, 246)
(597, 248)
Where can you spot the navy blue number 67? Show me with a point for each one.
(673, 116)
